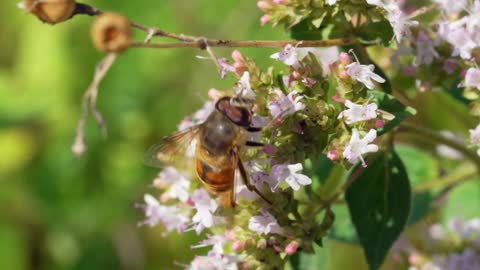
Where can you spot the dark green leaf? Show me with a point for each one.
(387, 85)
(391, 105)
(376, 33)
(379, 204)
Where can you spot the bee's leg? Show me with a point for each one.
(250, 186)
(253, 129)
(254, 144)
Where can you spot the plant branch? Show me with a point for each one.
(202, 43)
(89, 104)
(450, 180)
(438, 138)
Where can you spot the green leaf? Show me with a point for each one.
(376, 33)
(390, 104)
(379, 204)
(463, 201)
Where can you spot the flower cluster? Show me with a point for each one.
(301, 117)
(436, 247)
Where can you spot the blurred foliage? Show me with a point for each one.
(57, 212)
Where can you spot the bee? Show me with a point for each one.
(219, 141)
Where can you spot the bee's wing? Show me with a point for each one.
(172, 148)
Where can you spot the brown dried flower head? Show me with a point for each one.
(51, 11)
(111, 32)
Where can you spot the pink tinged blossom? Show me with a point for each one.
(472, 78)
(357, 113)
(364, 74)
(399, 21)
(205, 207)
(227, 262)
(462, 43)
(286, 105)
(289, 174)
(280, 2)
(326, 56)
(222, 62)
(379, 124)
(475, 136)
(425, 49)
(345, 58)
(244, 89)
(216, 241)
(358, 147)
(287, 55)
(451, 7)
(264, 19)
(265, 224)
(172, 217)
(263, 5)
(177, 184)
(333, 155)
(291, 248)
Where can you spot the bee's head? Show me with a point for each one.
(238, 110)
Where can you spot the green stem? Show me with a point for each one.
(452, 179)
(436, 137)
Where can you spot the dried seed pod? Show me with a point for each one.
(51, 11)
(111, 32)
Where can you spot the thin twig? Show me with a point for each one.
(200, 43)
(463, 174)
(438, 138)
(89, 104)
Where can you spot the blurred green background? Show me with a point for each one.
(57, 212)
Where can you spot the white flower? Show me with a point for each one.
(244, 89)
(425, 49)
(177, 183)
(472, 78)
(291, 55)
(399, 21)
(357, 147)
(475, 135)
(201, 115)
(451, 6)
(228, 262)
(287, 55)
(172, 217)
(264, 224)
(331, 2)
(289, 174)
(357, 113)
(217, 242)
(364, 74)
(205, 207)
(285, 105)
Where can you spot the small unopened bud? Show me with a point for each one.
(238, 246)
(262, 244)
(270, 149)
(345, 58)
(50, 11)
(333, 155)
(111, 32)
(379, 124)
(409, 71)
(291, 248)
(264, 19)
(237, 56)
(343, 75)
(263, 5)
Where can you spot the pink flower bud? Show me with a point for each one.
(270, 149)
(296, 75)
(160, 183)
(230, 235)
(345, 58)
(409, 71)
(379, 124)
(414, 259)
(279, 2)
(264, 19)
(337, 98)
(263, 5)
(343, 75)
(333, 155)
(237, 56)
(291, 248)
(238, 246)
